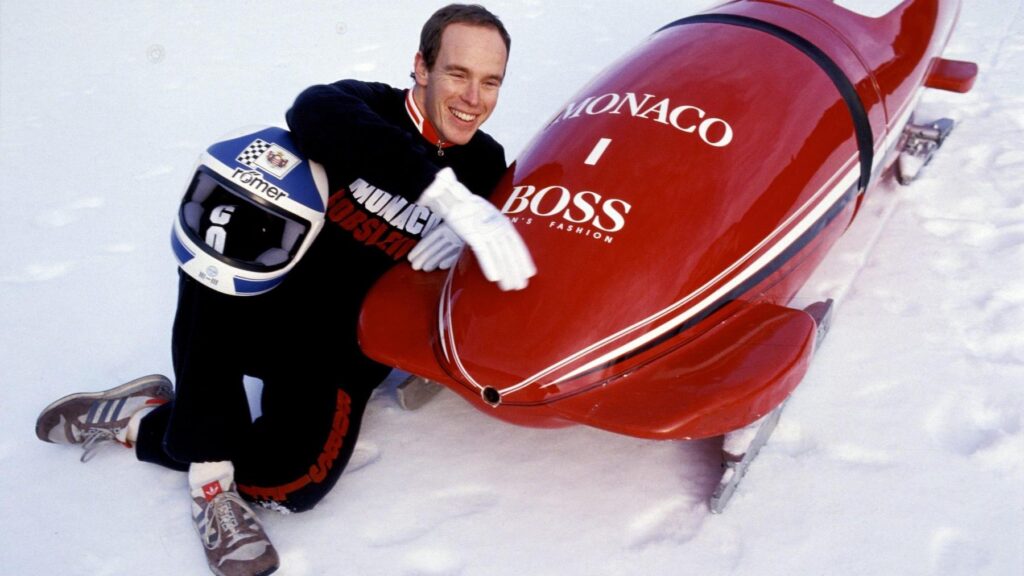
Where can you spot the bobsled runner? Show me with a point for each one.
(673, 208)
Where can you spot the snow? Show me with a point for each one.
(901, 453)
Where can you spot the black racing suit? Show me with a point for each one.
(300, 338)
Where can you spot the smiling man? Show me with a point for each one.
(458, 86)
(405, 170)
(400, 161)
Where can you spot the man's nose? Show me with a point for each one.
(471, 94)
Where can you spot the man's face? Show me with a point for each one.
(460, 92)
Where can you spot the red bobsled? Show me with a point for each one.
(673, 209)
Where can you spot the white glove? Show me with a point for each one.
(502, 254)
(439, 249)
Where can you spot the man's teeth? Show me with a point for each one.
(462, 115)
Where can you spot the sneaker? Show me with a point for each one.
(235, 542)
(93, 418)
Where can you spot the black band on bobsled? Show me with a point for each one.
(861, 124)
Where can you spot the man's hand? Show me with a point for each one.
(502, 254)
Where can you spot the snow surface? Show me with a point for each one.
(901, 453)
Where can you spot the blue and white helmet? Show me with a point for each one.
(252, 209)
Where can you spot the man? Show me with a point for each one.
(397, 162)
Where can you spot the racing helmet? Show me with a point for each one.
(251, 210)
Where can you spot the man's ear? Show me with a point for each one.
(420, 71)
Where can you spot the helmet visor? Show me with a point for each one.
(234, 226)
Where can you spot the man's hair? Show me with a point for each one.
(472, 14)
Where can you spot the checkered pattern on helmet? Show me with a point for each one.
(253, 151)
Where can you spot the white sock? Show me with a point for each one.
(131, 432)
(202, 474)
